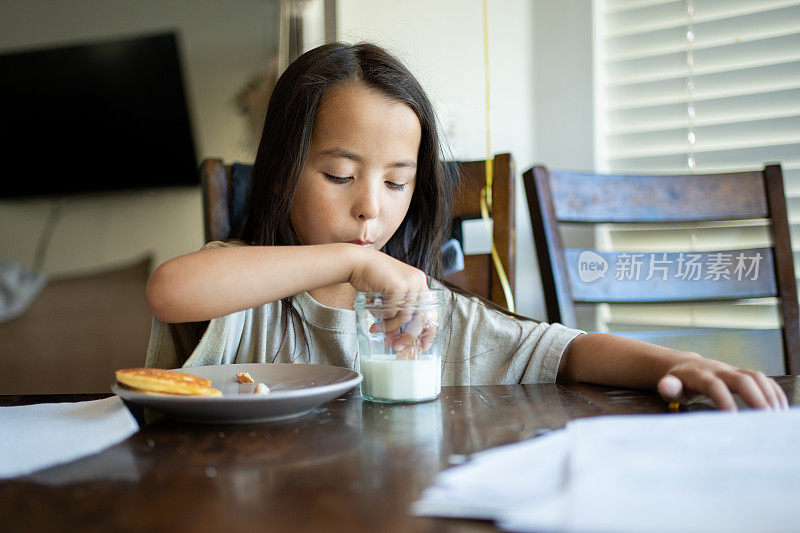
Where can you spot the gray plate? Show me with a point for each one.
(294, 391)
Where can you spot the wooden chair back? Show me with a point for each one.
(480, 275)
(572, 276)
(225, 189)
(225, 192)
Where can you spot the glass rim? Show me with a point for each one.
(430, 299)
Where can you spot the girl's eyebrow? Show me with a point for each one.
(338, 152)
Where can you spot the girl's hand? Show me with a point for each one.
(719, 381)
(405, 330)
(378, 272)
(375, 271)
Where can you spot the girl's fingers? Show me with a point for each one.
(403, 328)
(391, 311)
(423, 341)
(784, 401)
(421, 328)
(428, 336)
(765, 384)
(425, 327)
(748, 388)
(397, 313)
(389, 338)
(708, 384)
(670, 388)
(411, 333)
(406, 353)
(392, 324)
(718, 391)
(403, 342)
(720, 381)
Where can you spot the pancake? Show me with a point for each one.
(207, 393)
(165, 381)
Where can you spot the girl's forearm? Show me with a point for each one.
(216, 282)
(618, 361)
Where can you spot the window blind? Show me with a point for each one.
(697, 86)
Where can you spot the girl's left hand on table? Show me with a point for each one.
(719, 381)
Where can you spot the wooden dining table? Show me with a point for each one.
(349, 465)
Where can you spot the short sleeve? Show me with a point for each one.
(486, 346)
(163, 349)
(161, 352)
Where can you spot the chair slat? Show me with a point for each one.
(784, 266)
(476, 276)
(670, 277)
(467, 196)
(239, 186)
(583, 197)
(214, 182)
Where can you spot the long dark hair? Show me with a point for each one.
(283, 151)
(285, 142)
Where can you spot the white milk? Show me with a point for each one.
(386, 378)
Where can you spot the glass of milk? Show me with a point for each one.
(399, 346)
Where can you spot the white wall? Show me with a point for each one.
(223, 43)
(563, 86)
(531, 46)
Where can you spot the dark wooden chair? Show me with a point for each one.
(573, 276)
(225, 191)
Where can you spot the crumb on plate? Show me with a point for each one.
(260, 389)
(244, 377)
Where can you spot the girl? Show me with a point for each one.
(349, 194)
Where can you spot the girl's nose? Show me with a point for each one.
(366, 206)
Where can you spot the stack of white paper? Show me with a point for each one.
(690, 472)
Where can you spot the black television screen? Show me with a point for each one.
(104, 116)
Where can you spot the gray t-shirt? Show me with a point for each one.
(481, 346)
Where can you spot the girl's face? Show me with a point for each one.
(360, 173)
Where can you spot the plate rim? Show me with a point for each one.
(349, 383)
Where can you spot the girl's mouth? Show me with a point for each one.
(361, 243)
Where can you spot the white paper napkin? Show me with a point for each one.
(42, 435)
(709, 472)
(499, 479)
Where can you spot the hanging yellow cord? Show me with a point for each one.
(486, 192)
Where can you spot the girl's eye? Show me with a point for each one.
(335, 179)
(395, 186)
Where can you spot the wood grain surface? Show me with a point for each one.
(350, 465)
